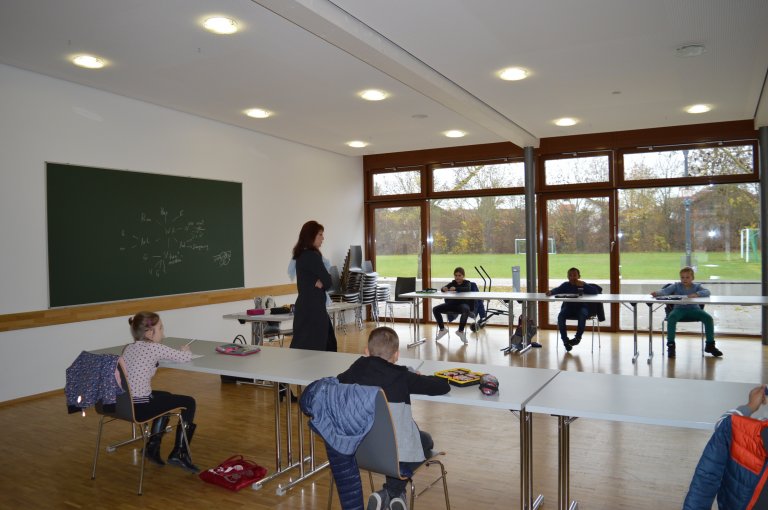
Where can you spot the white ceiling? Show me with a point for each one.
(609, 63)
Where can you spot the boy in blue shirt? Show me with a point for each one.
(689, 312)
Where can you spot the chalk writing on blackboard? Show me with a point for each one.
(163, 240)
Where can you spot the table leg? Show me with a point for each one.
(650, 332)
(634, 319)
(526, 463)
(564, 464)
(417, 339)
(510, 325)
(302, 458)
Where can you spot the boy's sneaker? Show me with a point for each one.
(575, 341)
(714, 351)
(398, 503)
(462, 336)
(379, 500)
(568, 346)
(441, 333)
(670, 350)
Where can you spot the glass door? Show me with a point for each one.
(397, 241)
(577, 229)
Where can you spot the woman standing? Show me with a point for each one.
(312, 328)
(141, 359)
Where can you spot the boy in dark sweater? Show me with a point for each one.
(573, 310)
(378, 368)
(460, 307)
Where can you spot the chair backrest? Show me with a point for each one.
(356, 257)
(124, 402)
(335, 279)
(479, 308)
(378, 450)
(367, 266)
(403, 285)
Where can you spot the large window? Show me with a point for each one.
(474, 232)
(629, 209)
(397, 183)
(697, 162)
(478, 177)
(712, 228)
(576, 170)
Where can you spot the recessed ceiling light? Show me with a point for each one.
(566, 121)
(373, 95)
(513, 73)
(220, 25)
(690, 50)
(698, 108)
(454, 133)
(357, 144)
(258, 113)
(88, 61)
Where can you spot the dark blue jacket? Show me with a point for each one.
(342, 414)
(91, 379)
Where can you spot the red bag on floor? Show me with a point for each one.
(234, 473)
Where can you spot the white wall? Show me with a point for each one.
(44, 119)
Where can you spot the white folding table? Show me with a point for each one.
(687, 403)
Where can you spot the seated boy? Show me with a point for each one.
(688, 312)
(460, 307)
(734, 462)
(377, 368)
(573, 310)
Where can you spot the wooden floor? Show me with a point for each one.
(47, 454)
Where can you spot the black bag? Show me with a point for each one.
(531, 330)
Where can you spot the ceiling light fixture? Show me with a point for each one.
(698, 108)
(455, 133)
(88, 61)
(258, 113)
(513, 74)
(220, 25)
(566, 121)
(690, 50)
(373, 95)
(357, 144)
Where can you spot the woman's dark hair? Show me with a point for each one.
(141, 323)
(307, 237)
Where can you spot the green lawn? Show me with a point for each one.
(634, 266)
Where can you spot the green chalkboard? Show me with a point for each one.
(115, 235)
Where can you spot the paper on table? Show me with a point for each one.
(413, 366)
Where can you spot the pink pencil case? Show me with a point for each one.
(255, 311)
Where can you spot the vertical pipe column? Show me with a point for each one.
(763, 168)
(530, 229)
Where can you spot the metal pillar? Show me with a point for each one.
(763, 167)
(530, 228)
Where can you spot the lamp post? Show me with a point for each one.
(687, 204)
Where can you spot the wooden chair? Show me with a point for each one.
(377, 453)
(124, 411)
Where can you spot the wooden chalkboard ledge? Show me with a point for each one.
(69, 314)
